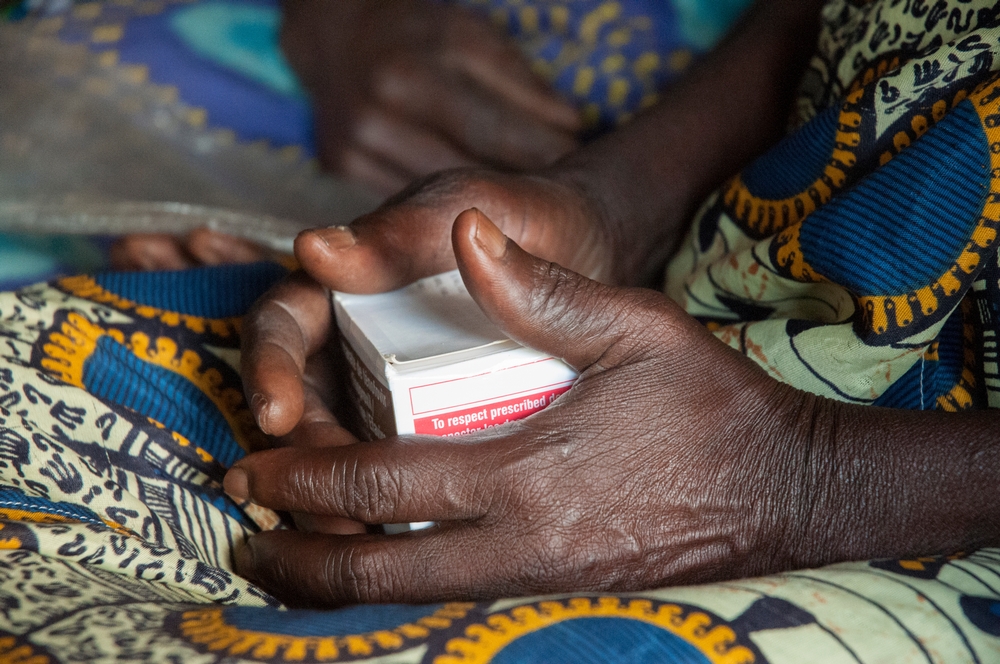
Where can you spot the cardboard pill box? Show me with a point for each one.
(425, 359)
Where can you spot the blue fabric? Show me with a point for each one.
(350, 620)
(612, 58)
(920, 387)
(233, 96)
(239, 38)
(796, 162)
(15, 499)
(209, 292)
(113, 373)
(912, 391)
(599, 640)
(886, 236)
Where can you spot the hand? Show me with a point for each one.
(406, 239)
(405, 88)
(162, 251)
(672, 459)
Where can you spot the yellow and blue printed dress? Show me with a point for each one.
(858, 259)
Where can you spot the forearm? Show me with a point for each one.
(648, 177)
(895, 483)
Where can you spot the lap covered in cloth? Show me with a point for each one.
(120, 408)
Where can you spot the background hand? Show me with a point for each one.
(405, 88)
(671, 459)
(162, 251)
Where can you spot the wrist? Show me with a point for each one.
(885, 483)
(642, 225)
(787, 441)
(843, 501)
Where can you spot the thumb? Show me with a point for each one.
(382, 251)
(407, 238)
(554, 310)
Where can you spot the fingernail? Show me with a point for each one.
(237, 484)
(489, 236)
(339, 237)
(258, 404)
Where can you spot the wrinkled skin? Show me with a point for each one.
(409, 238)
(657, 466)
(672, 459)
(633, 478)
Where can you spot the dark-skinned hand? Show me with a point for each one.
(400, 90)
(407, 239)
(672, 458)
(288, 333)
(202, 246)
(405, 88)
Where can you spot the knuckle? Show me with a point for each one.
(309, 486)
(372, 493)
(439, 189)
(356, 578)
(393, 80)
(556, 292)
(522, 478)
(491, 488)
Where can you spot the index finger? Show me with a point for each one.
(288, 324)
(409, 236)
(488, 57)
(319, 570)
(390, 481)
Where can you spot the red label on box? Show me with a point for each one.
(467, 420)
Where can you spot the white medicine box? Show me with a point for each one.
(425, 359)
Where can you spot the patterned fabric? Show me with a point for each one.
(610, 57)
(857, 259)
(120, 405)
(120, 408)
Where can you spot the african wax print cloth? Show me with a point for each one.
(610, 57)
(857, 259)
(121, 406)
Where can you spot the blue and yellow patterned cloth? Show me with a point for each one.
(610, 57)
(121, 406)
(857, 259)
